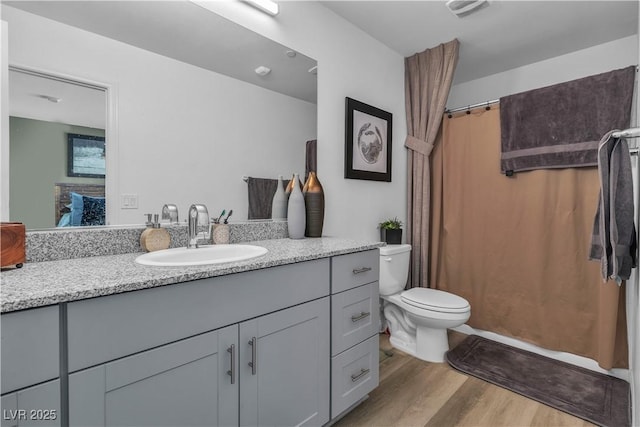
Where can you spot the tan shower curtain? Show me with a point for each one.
(428, 77)
(517, 247)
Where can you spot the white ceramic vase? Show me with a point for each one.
(296, 213)
(279, 204)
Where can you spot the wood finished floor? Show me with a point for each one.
(417, 393)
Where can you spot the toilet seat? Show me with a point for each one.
(435, 300)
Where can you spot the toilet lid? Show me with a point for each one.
(433, 299)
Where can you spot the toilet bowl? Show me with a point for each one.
(417, 318)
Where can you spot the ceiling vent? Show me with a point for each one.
(462, 8)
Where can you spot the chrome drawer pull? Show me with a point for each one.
(232, 371)
(254, 350)
(362, 373)
(361, 270)
(358, 317)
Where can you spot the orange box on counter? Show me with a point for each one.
(12, 244)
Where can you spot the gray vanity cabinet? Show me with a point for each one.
(185, 383)
(278, 368)
(180, 354)
(284, 367)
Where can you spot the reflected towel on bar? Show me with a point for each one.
(559, 126)
(614, 234)
(261, 191)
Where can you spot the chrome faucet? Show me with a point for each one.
(198, 216)
(170, 212)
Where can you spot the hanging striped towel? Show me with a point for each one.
(559, 126)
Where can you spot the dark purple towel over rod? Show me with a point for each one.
(560, 126)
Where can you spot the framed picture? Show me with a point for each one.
(85, 156)
(367, 142)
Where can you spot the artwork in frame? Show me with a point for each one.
(85, 156)
(367, 142)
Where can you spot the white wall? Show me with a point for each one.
(350, 63)
(184, 134)
(4, 124)
(598, 59)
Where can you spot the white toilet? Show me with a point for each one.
(418, 318)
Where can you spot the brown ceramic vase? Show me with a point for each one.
(314, 205)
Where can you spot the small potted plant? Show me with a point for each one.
(391, 231)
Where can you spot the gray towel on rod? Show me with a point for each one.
(261, 191)
(559, 126)
(311, 158)
(614, 234)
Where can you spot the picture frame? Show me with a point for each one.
(368, 145)
(86, 156)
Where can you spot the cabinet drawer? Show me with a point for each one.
(30, 347)
(354, 316)
(352, 270)
(354, 373)
(107, 328)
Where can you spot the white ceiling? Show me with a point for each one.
(77, 105)
(186, 31)
(502, 36)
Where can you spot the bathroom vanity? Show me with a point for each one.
(289, 338)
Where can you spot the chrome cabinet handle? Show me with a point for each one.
(232, 372)
(254, 349)
(362, 373)
(358, 317)
(361, 270)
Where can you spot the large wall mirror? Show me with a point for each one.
(57, 149)
(167, 90)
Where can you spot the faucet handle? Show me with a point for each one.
(170, 212)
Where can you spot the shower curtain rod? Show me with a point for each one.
(469, 107)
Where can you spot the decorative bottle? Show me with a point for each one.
(314, 205)
(296, 214)
(291, 183)
(279, 204)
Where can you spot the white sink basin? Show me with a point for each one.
(215, 254)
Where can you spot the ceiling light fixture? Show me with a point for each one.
(462, 8)
(262, 70)
(50, 98)
(269, 7)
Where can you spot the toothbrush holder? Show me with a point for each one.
(220, 234)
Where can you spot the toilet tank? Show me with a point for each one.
(394, 268)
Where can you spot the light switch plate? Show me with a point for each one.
(129, 201)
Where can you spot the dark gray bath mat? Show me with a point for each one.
(592, 396)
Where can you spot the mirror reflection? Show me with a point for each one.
(177, 130)
(57, 151)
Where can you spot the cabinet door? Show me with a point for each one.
(33, 406)
(284, 367)
(185, 383)
(9, 404)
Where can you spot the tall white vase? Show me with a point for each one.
(279, 204)
(296, 213)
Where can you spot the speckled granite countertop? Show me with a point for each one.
(43, 283)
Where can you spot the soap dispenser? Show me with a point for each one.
(154, 238)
